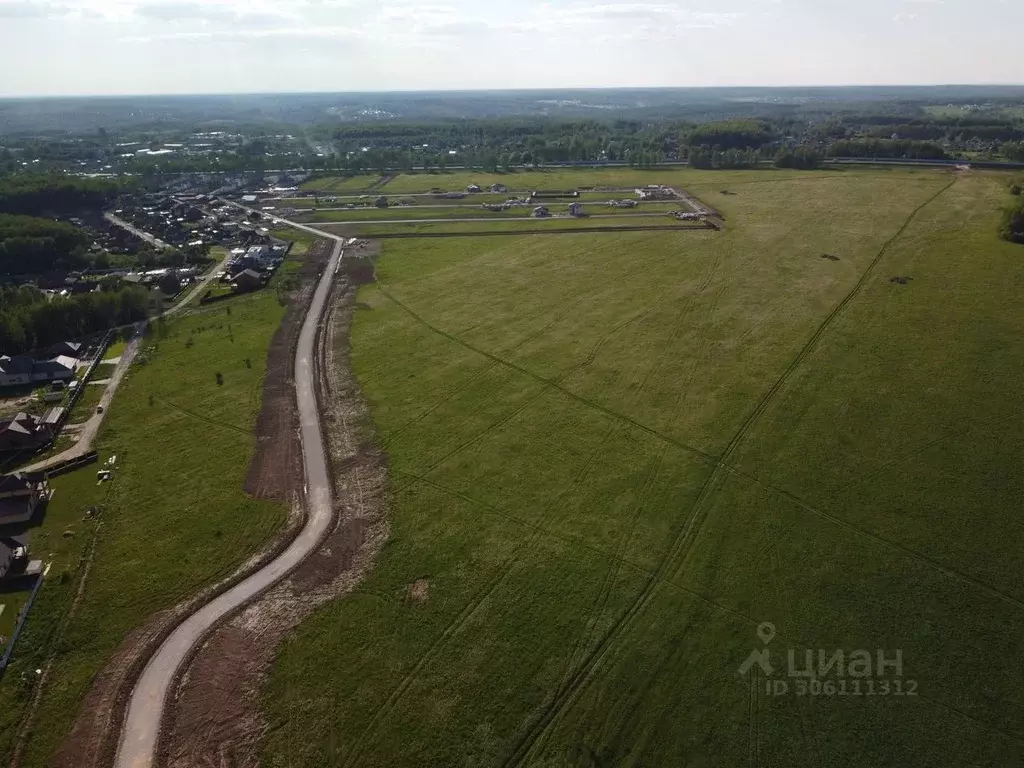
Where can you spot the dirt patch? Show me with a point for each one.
(215, 718)
(418, 590)
(274, 473)
(830, 256)
(900, 280)
(276, 469)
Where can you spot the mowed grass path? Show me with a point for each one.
(614, 456)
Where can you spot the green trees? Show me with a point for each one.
(800, 157)
(29, 320)
(37, 194)
(887, 148)
(30, 245)
(731, 134)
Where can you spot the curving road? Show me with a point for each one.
(141, 729)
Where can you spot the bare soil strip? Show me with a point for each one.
(215, 718)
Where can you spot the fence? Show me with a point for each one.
(5, 659)
(84, 380)
(70, 465)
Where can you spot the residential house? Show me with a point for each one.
(13, 555)
(655, 192)
(473, 188)
(60, 368)
(65, 349)
(575, 209)
(499, 188)
(248, 280)
(23, 432)
(21, 494)
(15, 371)
(540, 212)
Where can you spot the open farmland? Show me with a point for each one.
(614, 455)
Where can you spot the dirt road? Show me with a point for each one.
(140, 733)
(88, 431)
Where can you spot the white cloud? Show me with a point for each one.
(904, 18)
(31, 9)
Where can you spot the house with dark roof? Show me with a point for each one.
(65, 349)
(60, 368)
(15, 371)
(248, 280)
(13, 555)
(21, 494)
(19, 371)
(24, 433)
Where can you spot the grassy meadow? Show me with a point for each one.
(614, 455)
(173, 519)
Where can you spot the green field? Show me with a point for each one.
(614, 455)
(174, 518)
(552, 225)
(581, 178)
(334, 184)
(404, 213)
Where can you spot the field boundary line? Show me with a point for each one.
(550, 383)
(691, 529)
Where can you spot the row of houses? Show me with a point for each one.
(21, 495)
(56, 364)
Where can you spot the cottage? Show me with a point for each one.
(20, 496)
(15, 371)
(473, 188)
(13, 555)
(575, 209)
(65, 349)
(24, 433)
(655, 192)
(60, 368)
(540, 212)
(248, 280)
(499, 188)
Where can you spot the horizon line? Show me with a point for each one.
(215, 94)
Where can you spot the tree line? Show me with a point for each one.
(37, 194)
(31, 320)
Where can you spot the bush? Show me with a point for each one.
(1012, 226)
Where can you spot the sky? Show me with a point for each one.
(58, 47)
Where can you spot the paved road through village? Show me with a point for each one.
(139, 734)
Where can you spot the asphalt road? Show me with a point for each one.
(136, 231)
(141, 727)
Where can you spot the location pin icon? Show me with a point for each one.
(766, 631)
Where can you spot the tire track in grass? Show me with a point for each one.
(720, 464)
(476, 602)
(688, 533)
(705, 599)
(519, 345)
(553, 384)
(613, 570)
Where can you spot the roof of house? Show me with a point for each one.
(250, 273)
(66, 346)
(15, 482)
(60, 362)
(13, 366)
